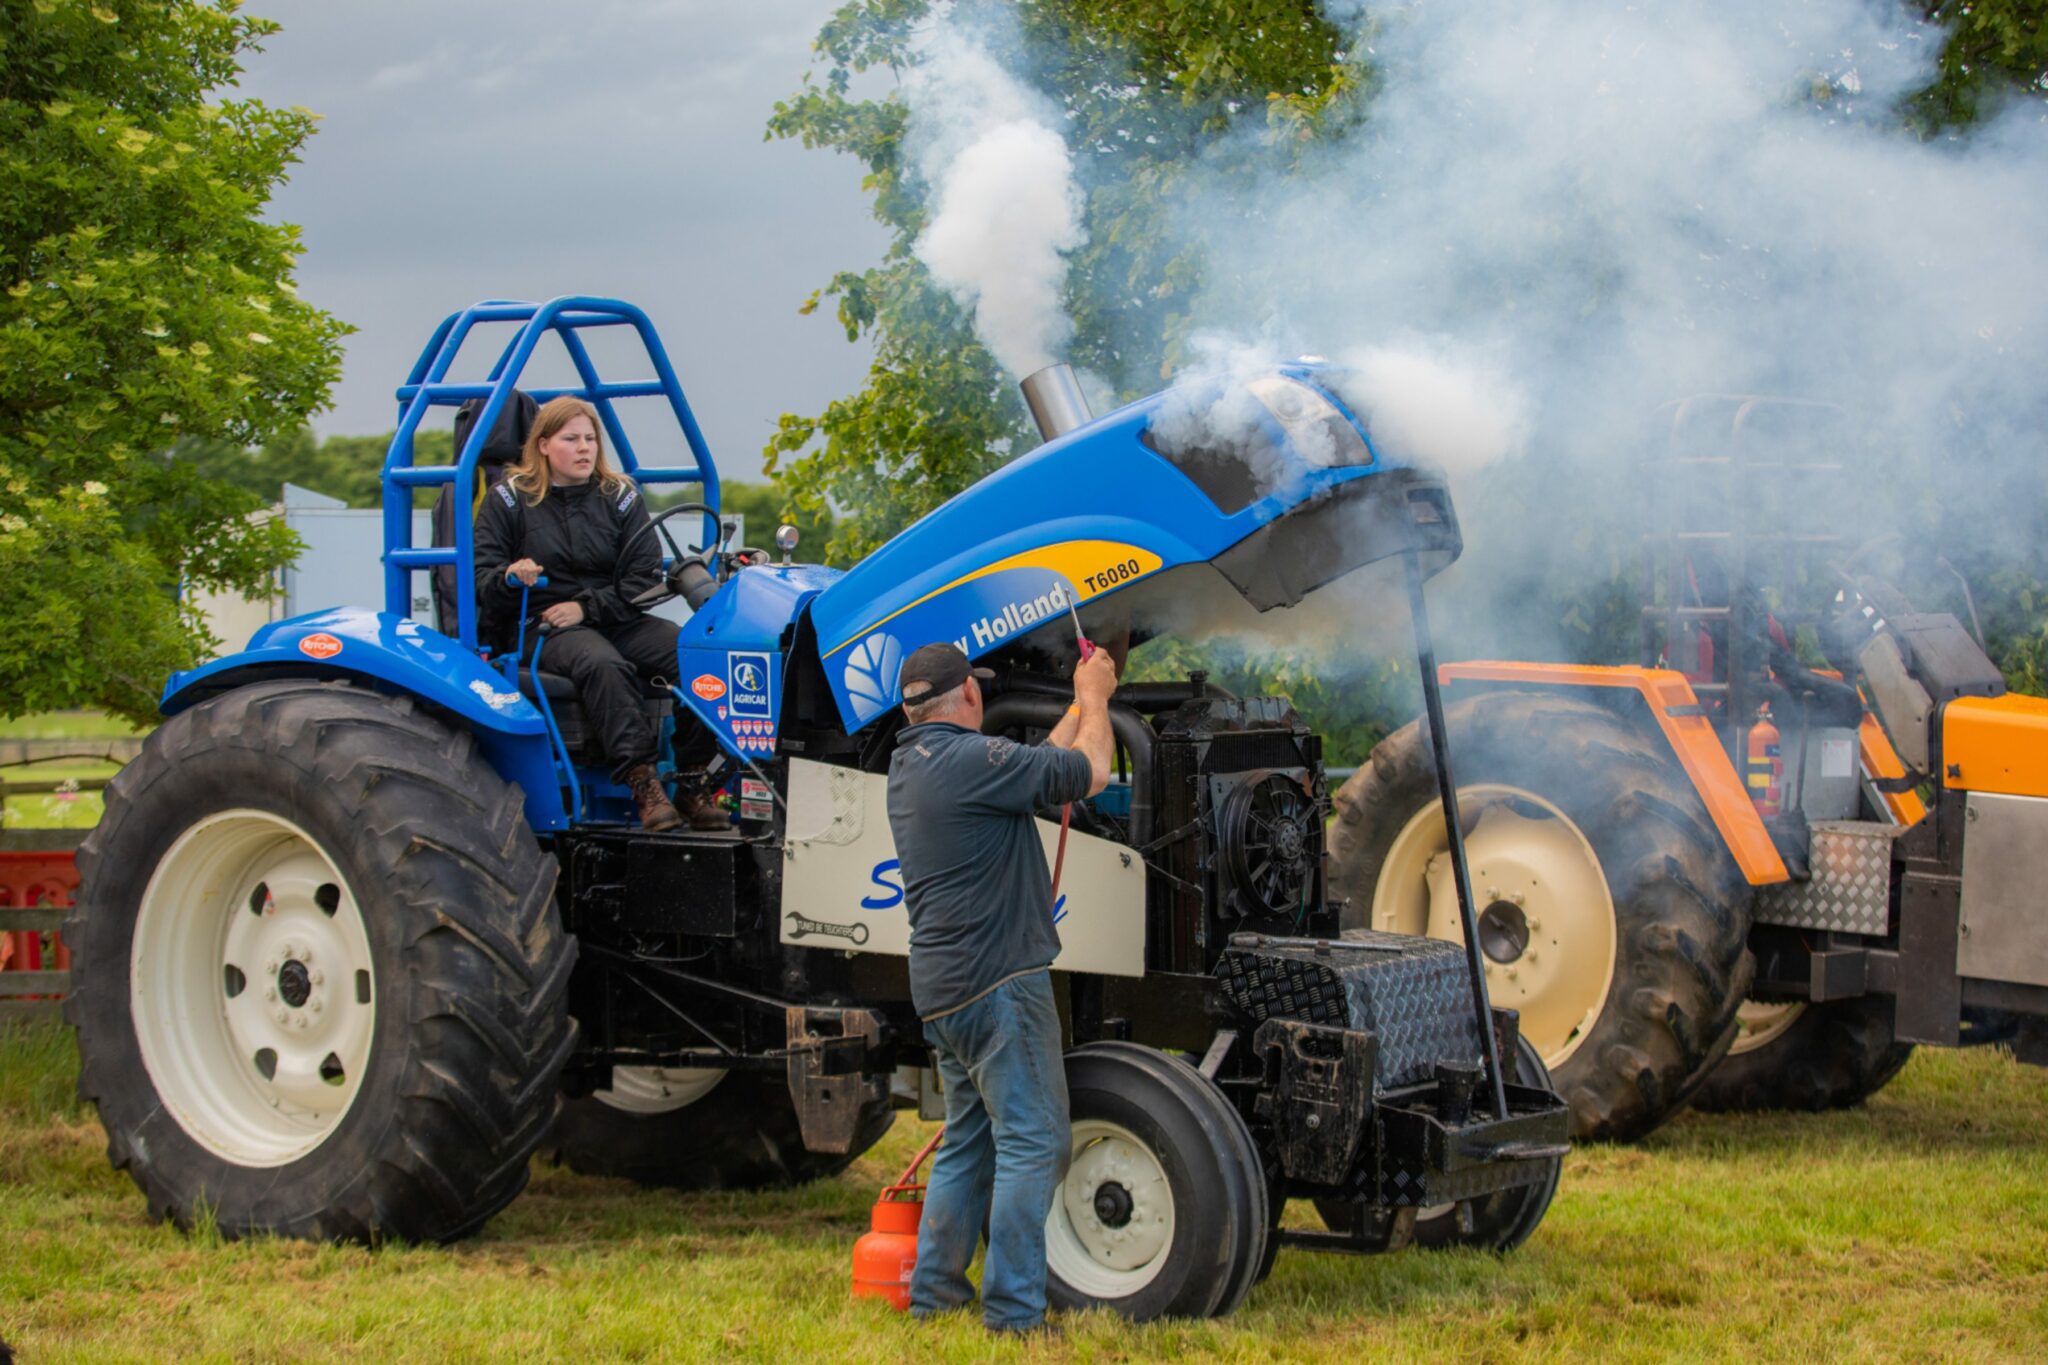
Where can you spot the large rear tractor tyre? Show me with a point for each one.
(1610, 913)
(318, 974)
(1806, 1056)
(1162, 1213)
(1500, 1222)
(699, 1129)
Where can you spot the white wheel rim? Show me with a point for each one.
(1531, 868)
(1760, 1022)
(1117, 1257)
(261, 1071)
(658, 1089)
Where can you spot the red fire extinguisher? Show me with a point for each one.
(1766, 765)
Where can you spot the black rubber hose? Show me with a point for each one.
(1044, 710)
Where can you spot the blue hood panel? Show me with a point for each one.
(1088, 513)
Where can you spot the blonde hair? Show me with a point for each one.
(532, 477)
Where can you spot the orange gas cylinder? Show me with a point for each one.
(886, 1254)
(1766, 765)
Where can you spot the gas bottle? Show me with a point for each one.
(887, 1252)
(1766, 765)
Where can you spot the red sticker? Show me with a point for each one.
(321, 646)
(707, 686)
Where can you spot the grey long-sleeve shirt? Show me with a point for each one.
(974, 876)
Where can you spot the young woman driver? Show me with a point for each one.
(566, 514)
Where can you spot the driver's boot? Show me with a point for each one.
(704, 813)
(656, 811)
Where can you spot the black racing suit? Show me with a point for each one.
(575, 534)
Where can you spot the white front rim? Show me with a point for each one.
(1112, 1173)
(1532, 868)
(1760, 1022)
(251, 988)
(657, 1089)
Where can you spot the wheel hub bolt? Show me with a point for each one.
(1113, 1204)
(294, 983)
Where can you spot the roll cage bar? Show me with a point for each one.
(428, 386)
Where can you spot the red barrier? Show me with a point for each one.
(30, 879)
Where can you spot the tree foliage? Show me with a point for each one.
(143, 301)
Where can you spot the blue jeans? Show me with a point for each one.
(1005, 1153)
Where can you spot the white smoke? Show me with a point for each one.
(1425, 405)
(1619, 205)
(1005, 207)
(1558, 215)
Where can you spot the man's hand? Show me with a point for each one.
(1095, 679)
(526, 571)
(563, 615)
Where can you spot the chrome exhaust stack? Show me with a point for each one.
(1054, 397)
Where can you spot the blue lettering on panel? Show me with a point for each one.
(878, 877)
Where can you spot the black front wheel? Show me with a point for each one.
(1163, 1209)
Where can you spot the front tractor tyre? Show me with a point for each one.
(1611, 915)
(1798, 1055)
(318, 974)
(1163, 1210)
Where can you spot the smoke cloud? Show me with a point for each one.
(1005, 206)
(1558, 217)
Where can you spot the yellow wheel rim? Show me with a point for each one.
(1546, 921)
(1760, 1022)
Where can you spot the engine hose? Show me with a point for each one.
(1043, 711)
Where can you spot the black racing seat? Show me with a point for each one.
(577, 736)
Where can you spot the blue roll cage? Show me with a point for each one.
(428, 387)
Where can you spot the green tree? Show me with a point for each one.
(347, 467)
(143, 301)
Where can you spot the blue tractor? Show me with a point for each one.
(365, 927)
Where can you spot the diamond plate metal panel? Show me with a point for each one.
(1850, 891)
(1412, 993)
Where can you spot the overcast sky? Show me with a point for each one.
(476, 149)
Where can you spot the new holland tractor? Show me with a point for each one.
(365, 927)
(1737, 875)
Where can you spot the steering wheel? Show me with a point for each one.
(658, 524)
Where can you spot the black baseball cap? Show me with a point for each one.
(935, 669)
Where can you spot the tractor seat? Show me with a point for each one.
(578, 736)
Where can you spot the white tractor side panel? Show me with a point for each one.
(843, 887)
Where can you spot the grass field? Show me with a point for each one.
(1914, 1229)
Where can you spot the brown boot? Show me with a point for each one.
(656, 812)
(705, 813)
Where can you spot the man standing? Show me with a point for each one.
(981, 940)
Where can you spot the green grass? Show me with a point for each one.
(69, 725)
(1916, 1228)
(55, 811)
(76, 810)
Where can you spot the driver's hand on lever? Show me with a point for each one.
(526, 571)
(563, 615)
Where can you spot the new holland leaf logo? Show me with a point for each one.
(871, 670)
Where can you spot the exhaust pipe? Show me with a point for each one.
(1054, 397)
